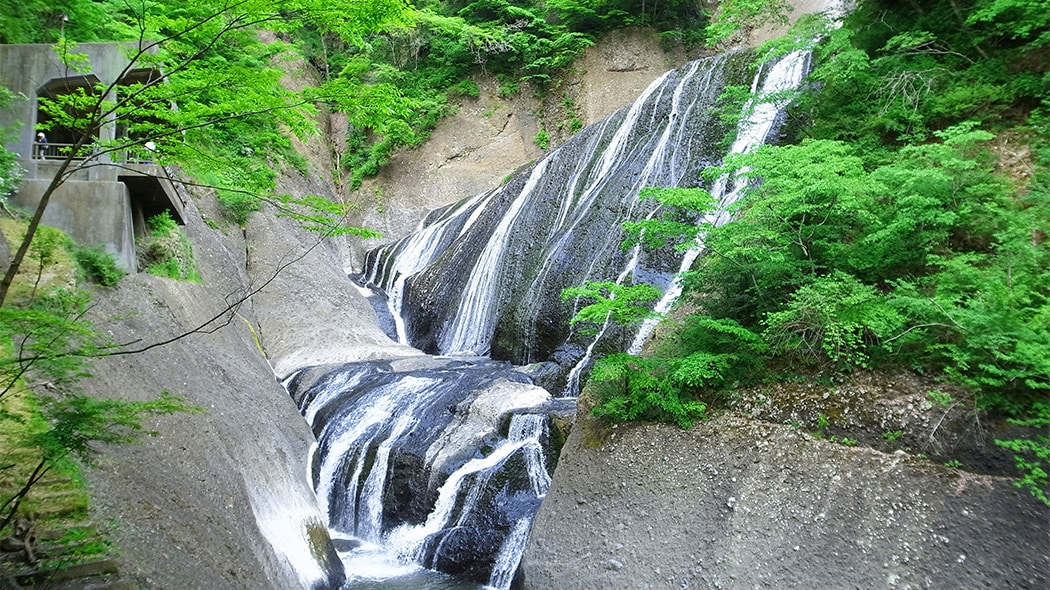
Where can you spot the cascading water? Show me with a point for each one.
(752, 132)
(428, 462)
(471, 328)
(414, 253)
(496, 284)
(441, 462)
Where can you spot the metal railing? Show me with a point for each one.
(61, 151)
(53, 151)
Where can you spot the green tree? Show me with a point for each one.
(635, 388)
(215, 95)
(50, 340)
(10, 171)
(613, 302)
(734, 15)
(215, 71)
(46, 21)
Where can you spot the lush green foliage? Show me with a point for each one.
(733, 15)
(633, 388)
(675, 223)
(898, 71)
(161, 225)
(894, 235)
(619, 304)
(45, 21)
(167, 252)
(1033, 454)
(97, 265)
(10, 171)
(409, 74)
(44, 333)
(702, 355)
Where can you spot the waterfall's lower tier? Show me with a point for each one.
(430, 462)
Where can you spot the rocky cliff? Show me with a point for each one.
(490, 137)
(220, 498)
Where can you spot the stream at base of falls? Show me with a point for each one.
(375, 568)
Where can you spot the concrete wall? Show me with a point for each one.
(92, 212)
(25, 69)
(93, 205)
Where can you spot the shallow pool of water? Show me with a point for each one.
(370, 567)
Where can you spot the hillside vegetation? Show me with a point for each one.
(906, 228)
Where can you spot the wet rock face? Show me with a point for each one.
(463, 550)
(494, 284)
(409, 496)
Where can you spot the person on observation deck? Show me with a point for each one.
(40, 149)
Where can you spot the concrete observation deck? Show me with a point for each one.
(108, 197)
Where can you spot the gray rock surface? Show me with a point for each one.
(220, 498)
(311, 313)
(739, 503)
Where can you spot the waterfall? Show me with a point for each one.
(495, 285)
(427, 462)
(463, 488)
(472, 326)
(416, 252)
(438, 463)
(510, 556)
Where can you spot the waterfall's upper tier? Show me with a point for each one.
(485, 276)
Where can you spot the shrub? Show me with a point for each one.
(161, 224)
(634, 388)
(167, 253)
(1033, 454)
(542, 139)
(836, 318)
(613, 302)
(97, 265)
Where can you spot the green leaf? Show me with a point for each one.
(620, 304)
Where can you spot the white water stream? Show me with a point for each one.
(752, 132)
(472, 328)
